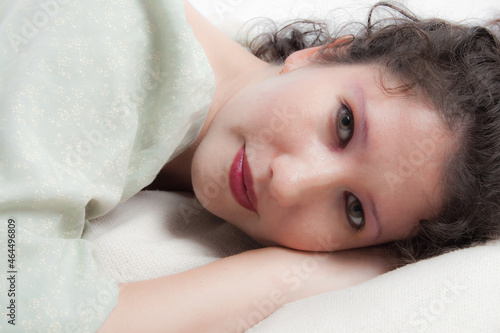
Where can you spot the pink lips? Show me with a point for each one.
(241, 182)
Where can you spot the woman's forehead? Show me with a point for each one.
(408, 155)
(408, 146)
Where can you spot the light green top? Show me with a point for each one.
(95, 97)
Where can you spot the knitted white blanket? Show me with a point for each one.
(159, 233)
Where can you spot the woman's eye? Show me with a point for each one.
(354, 212)
(345, 125)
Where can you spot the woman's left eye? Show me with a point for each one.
(345, 125)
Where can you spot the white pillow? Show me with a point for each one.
(455, 292)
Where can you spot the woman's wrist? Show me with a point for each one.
(304, 274)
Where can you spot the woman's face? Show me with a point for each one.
(321, 158)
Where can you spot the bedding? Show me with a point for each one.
(231, 15)
(96, 96)
(159, 233)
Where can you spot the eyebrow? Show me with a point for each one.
(373, 211)
(361, 107)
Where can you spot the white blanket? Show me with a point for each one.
(157, 233)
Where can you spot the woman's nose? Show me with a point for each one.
(296, 180)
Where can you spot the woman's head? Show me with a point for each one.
(321, 158)
(454, 69)
(325, 156)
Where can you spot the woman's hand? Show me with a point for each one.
(234, 293)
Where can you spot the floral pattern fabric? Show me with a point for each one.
(95, 97)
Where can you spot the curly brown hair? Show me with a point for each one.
(457, 68)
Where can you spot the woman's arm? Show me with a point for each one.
(234, 293)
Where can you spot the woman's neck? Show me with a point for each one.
(176, 174)
(234, 69)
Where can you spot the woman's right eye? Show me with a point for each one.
(345, 125)
(354, 211)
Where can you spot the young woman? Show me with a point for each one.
(354, 141)
(385, 136)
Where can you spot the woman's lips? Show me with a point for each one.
(241, 181)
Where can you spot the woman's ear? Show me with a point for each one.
(301, 58)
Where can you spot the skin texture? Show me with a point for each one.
(303, 172)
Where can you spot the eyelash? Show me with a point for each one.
(350, 199)
(344, 110)
(350, 202)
